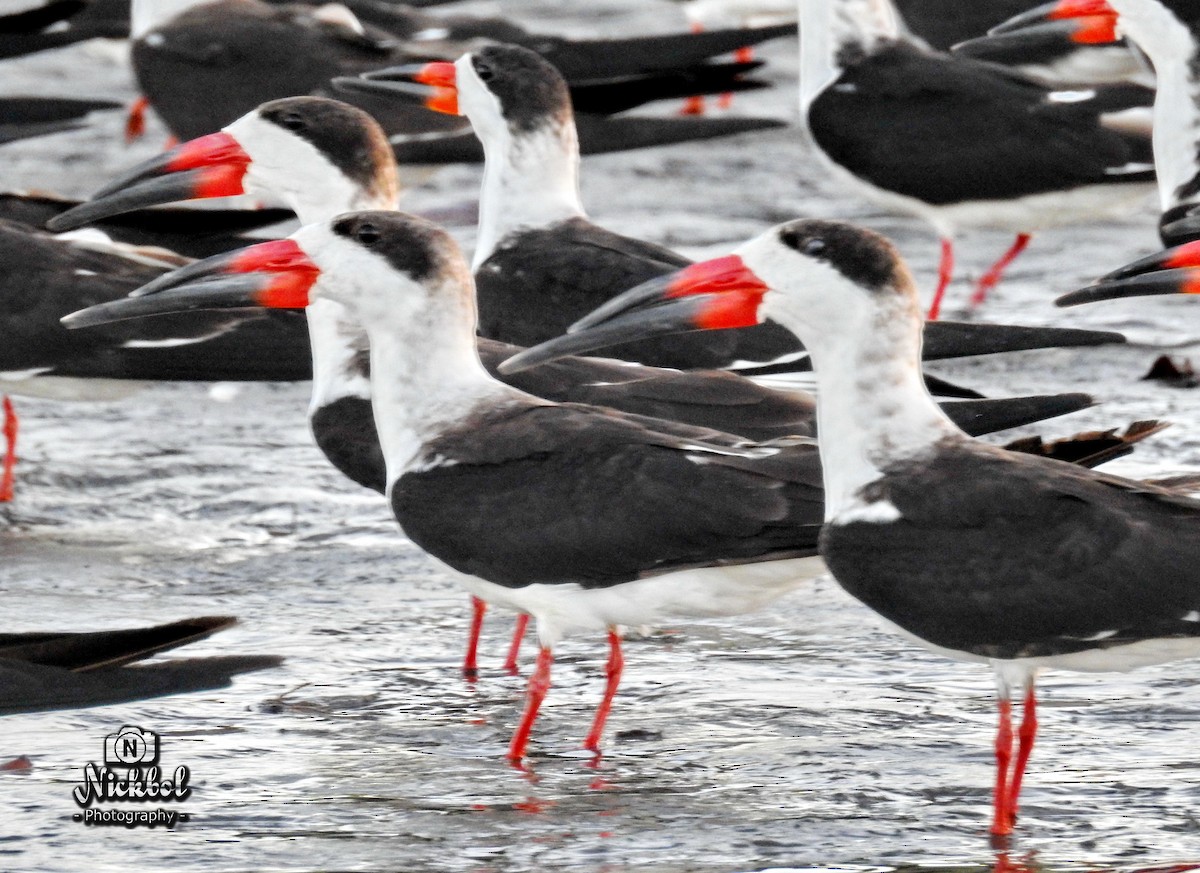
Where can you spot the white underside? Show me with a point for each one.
(706, 592)
(1017, 215)
(25, 384)
(1113, 659)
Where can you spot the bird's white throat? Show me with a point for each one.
(872, 404)
(530, 180)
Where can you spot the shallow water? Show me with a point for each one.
(802, 737)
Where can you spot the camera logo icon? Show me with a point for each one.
(131, 746)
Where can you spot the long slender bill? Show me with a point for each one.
(1057, 10)
(1048, 37)
(1185, 280)
(712, 295)
(276, 275)
(1175, 258)
(210, 166)
(433, 85)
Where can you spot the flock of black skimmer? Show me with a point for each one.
(659, 482)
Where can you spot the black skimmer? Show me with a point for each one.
(325, 158)
(1019, 562)
(585, 518)
(1169, 33)
(56, 670)
(540, 263)
(211, 63)
(47, 276)
(957, 142)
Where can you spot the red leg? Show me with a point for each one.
(510, 663)
(992, 277)
(744, 55)
(135, 121)
(470, 666)
(539, 684)
(10, 453)
(1001, 826)
(694, 105)
(945, 274)
(1026, 735)
(616, 664)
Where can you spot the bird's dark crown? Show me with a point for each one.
(531, 91)
(348, 137)
(862, 256)
(411, 245)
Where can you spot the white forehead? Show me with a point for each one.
(475, 99)
(781, 266)
(807, 295)
(289, 167)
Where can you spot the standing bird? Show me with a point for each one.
(323, 158)
(1015, 561)
(583, 517)
(540, 263)
(1169, 33)
(956, 142)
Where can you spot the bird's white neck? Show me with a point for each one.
(425, 376)
(830, 27)
(1172, 49)
(529, 180)
(872, 405)
(336, 338)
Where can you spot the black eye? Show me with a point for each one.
(814, 245)
(484, 72)
(367, 234)
(293, 121)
